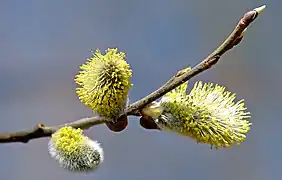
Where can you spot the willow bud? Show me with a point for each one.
(74, 151)
(208, 115)
(104, 83)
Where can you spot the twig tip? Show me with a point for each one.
(260, 9)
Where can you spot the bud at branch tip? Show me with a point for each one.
(260, 9)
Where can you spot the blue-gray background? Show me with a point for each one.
(42, 44)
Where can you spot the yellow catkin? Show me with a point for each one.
(104, 83)
(208, 114)
(74, 151)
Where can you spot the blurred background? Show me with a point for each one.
(43, 43)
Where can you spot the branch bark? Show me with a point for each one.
(40, 130)
(134, 109)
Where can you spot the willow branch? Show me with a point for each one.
(40, 131)
(134, 109)
(185, 74)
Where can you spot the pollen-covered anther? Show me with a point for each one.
(74, 151)
(208, 114)
(104, 83)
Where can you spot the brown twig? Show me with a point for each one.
(134, 109)
(185, 74)
(40, 130)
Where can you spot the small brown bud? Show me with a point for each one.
(119, 125)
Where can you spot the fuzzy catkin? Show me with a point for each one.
(104, 82)
(74, 151)
(207, 114)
